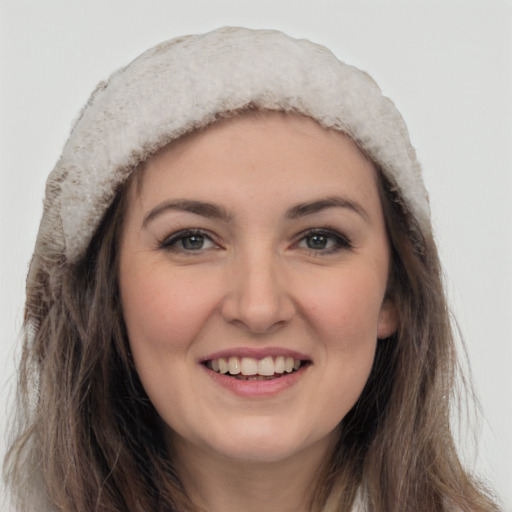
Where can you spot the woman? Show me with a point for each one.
(235, 298)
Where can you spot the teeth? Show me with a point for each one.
(251, 367)
(223, 365)
(266, 366)
(279, 364)
(234, 366)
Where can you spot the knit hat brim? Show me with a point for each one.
(188, 83)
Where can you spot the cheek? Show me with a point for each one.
(164, 314)
(163, 311)
(345, 316)
(348, 324)
(345, 309)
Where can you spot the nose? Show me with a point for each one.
(258, 298)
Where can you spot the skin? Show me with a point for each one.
(258, 279)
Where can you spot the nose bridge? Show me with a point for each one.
(259, 298)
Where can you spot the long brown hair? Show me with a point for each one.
(89, 439)
(396, 446)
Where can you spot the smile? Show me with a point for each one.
(250, 368)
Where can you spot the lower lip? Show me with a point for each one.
(256, 388)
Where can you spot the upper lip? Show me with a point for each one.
(256, 353)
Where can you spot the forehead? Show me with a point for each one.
(260, 147)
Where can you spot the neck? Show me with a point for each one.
(218, 484)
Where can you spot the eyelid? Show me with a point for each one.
(343, 242)
(169, 242)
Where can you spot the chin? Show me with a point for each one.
(258, 451)
(262, 442)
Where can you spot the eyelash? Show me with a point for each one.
(339, 242)
(170, 243)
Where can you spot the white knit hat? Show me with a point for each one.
(189, 82)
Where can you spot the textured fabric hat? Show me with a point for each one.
(189, 82)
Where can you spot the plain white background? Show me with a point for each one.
(448, 67)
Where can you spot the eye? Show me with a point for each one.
(189, 240)
(323, 241)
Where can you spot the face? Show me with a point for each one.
(253, 271)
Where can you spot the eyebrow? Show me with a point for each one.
(214, 211)
(204, 209)
(303, 209)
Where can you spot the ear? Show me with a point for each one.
(388, 319)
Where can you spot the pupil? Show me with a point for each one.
(317, 241)
(193, 242)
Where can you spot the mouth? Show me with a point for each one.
(252, 369)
